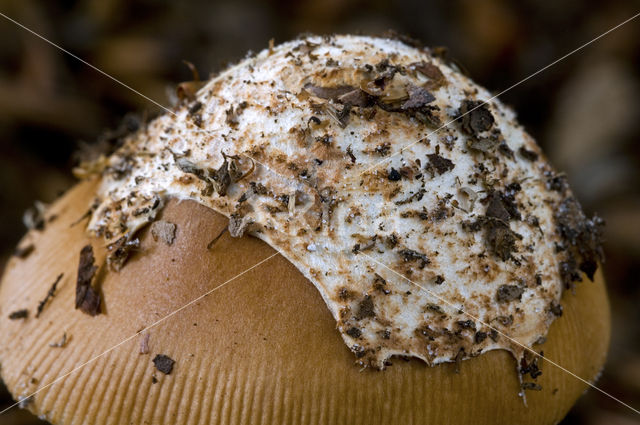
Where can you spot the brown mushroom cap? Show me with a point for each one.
(263, 349)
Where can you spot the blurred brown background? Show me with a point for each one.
(584, 111)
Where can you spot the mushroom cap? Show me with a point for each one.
(241, 354)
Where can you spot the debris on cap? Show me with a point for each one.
(164, 231)
(87, 297)
(50, 294)
(331, 150)
(19, 314)
(164, 363)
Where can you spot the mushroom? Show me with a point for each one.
(184, 322)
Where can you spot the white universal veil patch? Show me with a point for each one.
(288, 144)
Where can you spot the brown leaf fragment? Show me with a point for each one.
(238, 225)
(427, 115)
(387, 69)
(344, 115)
(482, 144)
(409, 255)
(380, 284)
(466, 324)
(351, 155)
(508, 201)
(19, 314)
(432, 72)
(476, 117)
(501, 239)
(187, 166)
(330, 93)
(356, 97)
(414, 102)
(155, 203)
(508, 293)
(480, 336)
(50, 294)
(557, 183)
(582, 237)
(458, 359)
(354, 332)
(233, 114)
(418, 98)
(186, 91)
(306, 47)
(221, 178)
(366, 308)
(527, 154)
(120, 251)
(438, 164)
(195, 108)
(435, 308)
(569, 272)
(164, 231)
(555, 308)
(259, 188)
(87, 298)
(530, 364)
(344, 94)
(497, 209)
(23, 252)
(236, 170)
(164, 363)
(505, 150)
(218, 180)
(413, 198)
(493, 334)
